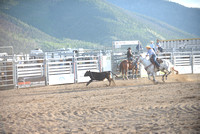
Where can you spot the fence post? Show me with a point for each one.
(192, 62)
(46, 67)
(172, 57)
(100, 61)
(14, 73)
(74, 61)
(174, 60)
(112, 62)
(16, 76)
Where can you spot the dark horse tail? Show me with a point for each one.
(120, 67)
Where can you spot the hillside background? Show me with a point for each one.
(52, 24)
(181, 17)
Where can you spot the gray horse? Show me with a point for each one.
(166, 67)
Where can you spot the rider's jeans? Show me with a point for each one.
(154, 59)
(130, 59)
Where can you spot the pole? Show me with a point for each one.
(75, 66)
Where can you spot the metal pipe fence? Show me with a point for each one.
(16, 72)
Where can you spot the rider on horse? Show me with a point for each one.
(130, 58)
(151, 53)
(129, 55)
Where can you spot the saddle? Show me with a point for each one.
(157, 59)
(130, 63)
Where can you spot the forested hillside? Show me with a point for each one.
(77, 23)
(24, 38)
(184, 18)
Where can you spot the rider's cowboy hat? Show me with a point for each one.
(152, 41)
(128, 48)
(148, 46)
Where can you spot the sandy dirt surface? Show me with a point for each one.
(134, 106)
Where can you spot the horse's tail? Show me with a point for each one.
(120, 67)
(172, 67)
(175, 70)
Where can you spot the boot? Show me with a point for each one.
(158, 68)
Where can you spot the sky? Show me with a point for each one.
(188, 3)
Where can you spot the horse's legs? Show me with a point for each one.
(169, 72)
(164, 76)
(154, 80)
(149, 77)
(136, 72)
(123, 74)
(126, 74)
(153, 75)
(133, 73)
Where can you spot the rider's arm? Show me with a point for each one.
(131, 53)
(147, 53)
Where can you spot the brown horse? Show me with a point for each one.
(125, 66)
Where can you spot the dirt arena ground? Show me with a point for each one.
(134, 106)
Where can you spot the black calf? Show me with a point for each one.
(100, 76)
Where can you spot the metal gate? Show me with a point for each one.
(6, 68)
(6, 74)
(60, 71)
(30, 73)
(70, 69)
(85, 63)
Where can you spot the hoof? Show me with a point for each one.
(155, 82)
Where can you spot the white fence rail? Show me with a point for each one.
(30, 73)
(184, 62)
(59, 71)
(52, 71)
(86, 63)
